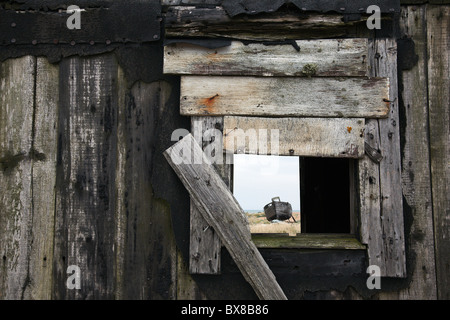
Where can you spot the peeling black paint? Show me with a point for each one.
(406, 49)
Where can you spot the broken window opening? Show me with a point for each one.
(321, 192)
(259, 178)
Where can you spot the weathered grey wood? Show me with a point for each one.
(45, 140)
(277, 96)
(328, 58)
(143, 220)
(221, 210)
(214, 22)
(416, 180)
(308, 241)
(204, 243)
(316, 137)
(85, 193)
(369, 197)
(189, 2)
(383, 229)
(17, 78)
(390, 167)
(438, 37)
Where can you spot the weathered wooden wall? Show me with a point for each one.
(83, 181)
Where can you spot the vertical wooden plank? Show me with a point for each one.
(416, 179)
(17, 80)
(392, 221)
(44, 178)
(383, 228)
(121, 188)
(438, 28)
(85, 187)
(369, 190)
(149, 251)
(204, 243)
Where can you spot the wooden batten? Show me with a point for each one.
(327, 58)
(285, 96)
(315, 137)
(220, 209)
(204, 243)
(381, 203)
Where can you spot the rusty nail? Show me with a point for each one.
(72, 43)
(34, 42)
(55, 41)
(91, 42)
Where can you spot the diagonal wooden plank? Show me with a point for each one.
(221, 210)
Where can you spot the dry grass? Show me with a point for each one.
(259, 224)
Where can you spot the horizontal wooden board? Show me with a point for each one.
(285, 96)
(337, 57)
(308, 241)
(214, 22)
(321, 137)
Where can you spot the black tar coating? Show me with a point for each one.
(120, 22)
(206, 43)
(235, 7)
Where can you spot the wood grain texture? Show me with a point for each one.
(17, 79)
(45, 141)
(382, 229)
(85, 193)
(416, 180)
(308, 241)
(277, 96)
(214, 22)
(316, 137)
(205, 244)
(328, 58)
(438, 37)
(145, 248)
(221, 210)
